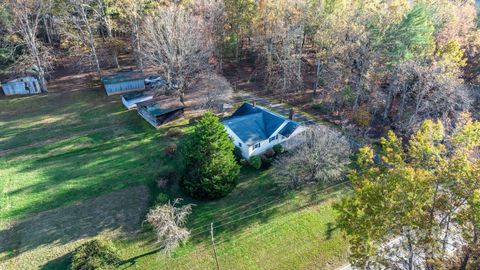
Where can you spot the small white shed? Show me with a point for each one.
(21, 86)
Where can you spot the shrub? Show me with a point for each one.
(243, 162)
(237, 152)
(362, 116)
(278, 148)
(256, 162)
(347, 96)
(174, 132)
(162, 198)
(266, 162)
(209, 167)
(322, 107)
(270, 153)
(95, 254)
(171, 149)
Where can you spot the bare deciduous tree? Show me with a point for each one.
(176, 45)
(287, 77)
(322, 157)
(133, 11)
(100, 8)
(168, 220)
(278, 40)
(26, 18)
(213, 90)
(427, 91)
(79, 28)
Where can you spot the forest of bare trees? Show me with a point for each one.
(371, 64)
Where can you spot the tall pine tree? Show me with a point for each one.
(210, 169)
(412, 37)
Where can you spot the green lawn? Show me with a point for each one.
(72, 167)
(67, 149)
(256, 228)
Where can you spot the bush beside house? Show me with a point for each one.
(278, 149)
(255, 162)
(210, 169)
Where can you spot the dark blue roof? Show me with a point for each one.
(253, 124)
(288, 129)
(156, 110)
(133, 95)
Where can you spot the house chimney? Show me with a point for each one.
(254, 103)
(290, 114)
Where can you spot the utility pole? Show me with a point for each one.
(213, 244)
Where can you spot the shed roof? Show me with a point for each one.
(160, 106)
(122, 76)
(134, 95)
(254, 124)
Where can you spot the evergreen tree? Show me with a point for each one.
(412, 37)
(210, 170)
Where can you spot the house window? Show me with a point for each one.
(256, 146)
(273, 138)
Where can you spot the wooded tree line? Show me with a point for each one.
(420, 207)
(391, 62)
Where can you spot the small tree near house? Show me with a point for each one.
(323, 157)
(210, 170)
(167, 221)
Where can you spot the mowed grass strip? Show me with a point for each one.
(31, 120)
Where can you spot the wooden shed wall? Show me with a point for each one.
(159, 120)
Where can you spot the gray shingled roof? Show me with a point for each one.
(254, 124)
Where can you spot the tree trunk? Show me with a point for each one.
(47, 30)
(110, 36)
(237, 45)
(410, 265)
(388, 103)
(317, 77)
(466, 258)
(91, 40)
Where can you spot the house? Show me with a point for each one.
(131, 99)
(159, 111)
(123, 81)
(22, 86)
(254, 129)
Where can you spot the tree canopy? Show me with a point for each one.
(210, 169)
(409, 209)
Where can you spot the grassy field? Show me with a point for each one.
(255, 228)
(75, 164)
(115, 149)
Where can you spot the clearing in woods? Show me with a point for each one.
(74, 164)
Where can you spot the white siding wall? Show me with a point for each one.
(248, 151)
(236, 140)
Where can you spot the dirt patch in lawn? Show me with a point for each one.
(32, 242)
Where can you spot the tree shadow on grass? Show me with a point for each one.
(117, 212)
(66, 176)
(331, 228)
(256, 200)
(58, 263)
